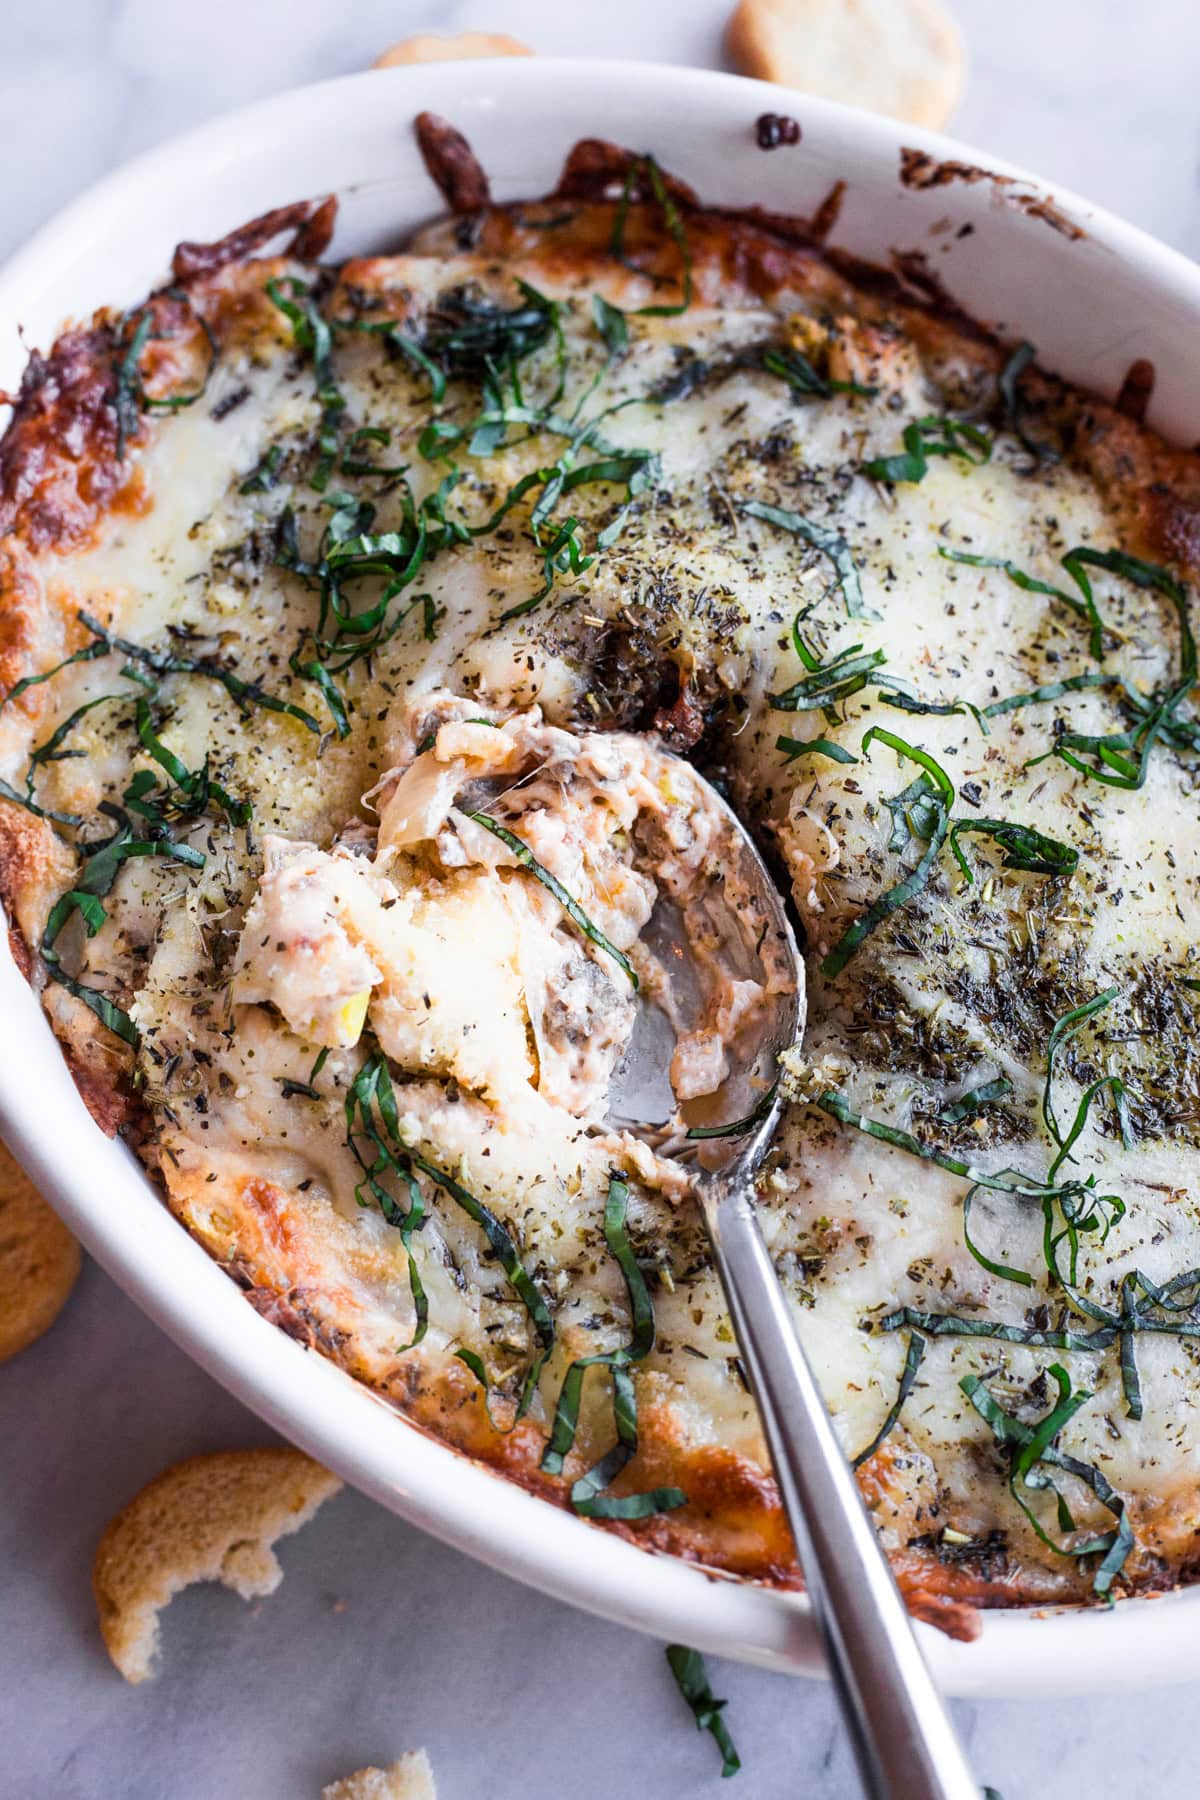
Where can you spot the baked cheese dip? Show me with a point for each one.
(361, 625)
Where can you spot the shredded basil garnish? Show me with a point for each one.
(923, 811)
(691, 1676)
(1032, 1451)
(829, 542)
(587, 1496)
(816, 746)
(506, 1253)
(186, 794)
(474, 339)
(265, 472)
(551, 883)
(739, 1127)
(166, 662)
(794, 368)
(305, 1090)
(351, 551)
(932, 436)
(1074, 562)
(405, 346)
(826, 685)
(972, 1103)
(908, 1375)
(311, 333)
(938, 828)
(647, 167)
(1061, 1033)
(611, 324)
(1021, 847)
(1008, 383)
(130, 399)
(371, 1115)
(911, 703)
(101, 865)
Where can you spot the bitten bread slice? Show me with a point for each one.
(409, 1779)
(211, 1518)
(428, 47)
(39, 1261)
(900, 57)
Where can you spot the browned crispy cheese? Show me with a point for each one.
(61, 481)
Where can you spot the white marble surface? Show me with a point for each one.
(379, 1639)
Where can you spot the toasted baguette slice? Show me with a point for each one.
(211, 1518)
(428, 48)
(904, 58)
(39, 1261)
(409, 1779)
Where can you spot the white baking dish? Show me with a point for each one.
(1091, 303)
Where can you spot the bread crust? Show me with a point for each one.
(905, 58)
(39, 1261)
(211, 1518)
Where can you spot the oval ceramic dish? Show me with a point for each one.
(1092, 293)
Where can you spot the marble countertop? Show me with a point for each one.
(379, 1638)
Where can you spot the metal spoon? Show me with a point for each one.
(903, 1740)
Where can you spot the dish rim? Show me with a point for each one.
(167, 1273)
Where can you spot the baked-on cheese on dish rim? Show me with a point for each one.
(347, 615)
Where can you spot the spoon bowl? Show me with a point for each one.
(743, 909)
(903, 1740)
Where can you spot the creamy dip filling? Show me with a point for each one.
(489, 932)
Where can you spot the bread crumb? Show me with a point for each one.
(39, 1261)
(211, 1518)
(428, 47)
(409, 1779)
(904, 58)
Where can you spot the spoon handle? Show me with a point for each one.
(903, 1739)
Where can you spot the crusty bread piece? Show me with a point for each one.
(211, 1518)
(39, 1261)
(427, 47)
(409, 1779)
(900, 57)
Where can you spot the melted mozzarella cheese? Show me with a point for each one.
(476, 991)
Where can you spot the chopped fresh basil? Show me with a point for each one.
(932, 436)
(130, 398)
(938, 800)
(973, 1102)
(1021, 847)
(908, 1375)
(816, 746)
(611, 324)
(794, 368)
(647, 167)
(551, 883)
(371, 1115)
(1032, 1451)
(186, 794)
(825, 685)
(739, 1127)
(691, 1676)
(588, 1497)
(311, 333)
(829, 542)
(265, 472)
(102, 863)
(1008, 383)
